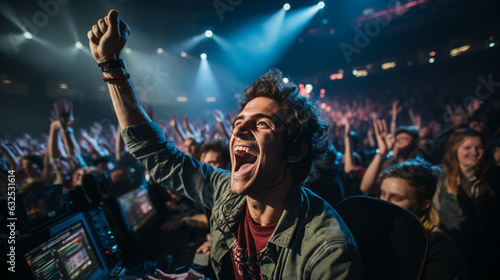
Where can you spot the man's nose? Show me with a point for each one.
(242, 130)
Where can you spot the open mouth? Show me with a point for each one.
(245, 159)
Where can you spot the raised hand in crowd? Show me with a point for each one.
(416, 119)
(179, 131)
(222, 124)
(385, 142)
(396, 109)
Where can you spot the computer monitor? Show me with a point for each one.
(65, 251)
(132, 212)
(137, 207)
(40, 207)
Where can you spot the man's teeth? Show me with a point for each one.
(245, 149)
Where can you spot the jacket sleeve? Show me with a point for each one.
(173, 169)
(340, 261)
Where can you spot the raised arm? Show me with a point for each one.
(349, 165)
(394, 113)
(385, 143)
(64, 114)
(106, 40)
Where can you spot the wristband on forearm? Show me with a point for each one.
(107, 65)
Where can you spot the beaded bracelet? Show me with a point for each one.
(107, 79)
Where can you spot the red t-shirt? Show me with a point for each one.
(251, 239)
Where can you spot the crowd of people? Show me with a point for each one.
(442, 169)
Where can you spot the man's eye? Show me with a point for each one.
(262, 124)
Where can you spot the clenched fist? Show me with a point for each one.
(108, 37)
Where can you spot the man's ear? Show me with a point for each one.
(426, 204)
(303, 152)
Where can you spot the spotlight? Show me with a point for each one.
(286, 7)
(159, 50)
(209, 33)
(309, 88)
(79, 45)
(286, 80)
(27, 35)
(203, 56)
(321, 5)
(431, 60)
(128, 50)
(491, 45)
(184, 54)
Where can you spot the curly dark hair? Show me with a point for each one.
(299, 115)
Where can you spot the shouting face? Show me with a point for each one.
(257, 147)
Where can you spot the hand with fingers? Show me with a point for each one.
(385, 141)
(108, 37)
(63, 112)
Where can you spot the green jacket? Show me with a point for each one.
(310, 241)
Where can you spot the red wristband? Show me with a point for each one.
(107, 79)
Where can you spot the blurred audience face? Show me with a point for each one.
(30, 168)
(213, 158)
(191, 148)
(403, 146)
(399, 192)
(470, 152)
(76, 177)
(496, 155)
(403, 141)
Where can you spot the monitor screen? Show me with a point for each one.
(43, 205)
(137, 206)
(68, 255)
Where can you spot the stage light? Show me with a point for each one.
(79, 45)
(286, 7)
(286, 80)
(431, 60)
(7, 82)
(182, 99)
(337, 76)
(321, 5)
(203, 56)
(460, 50)
(433, 53)
(128, 51)
(63, 86)
(388, 65)
(323, 105)
(360, 73)
(309, 88)
(210, 99)
(27, 35)
(159, 50)
(209, 33)
(184, 54)
(491, 45)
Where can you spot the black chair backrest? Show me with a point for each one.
(391, 240)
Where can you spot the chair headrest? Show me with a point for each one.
(391, 240)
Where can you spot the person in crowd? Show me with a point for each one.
(264, 224)
(467, 205)
(411, 185)
(390, 151)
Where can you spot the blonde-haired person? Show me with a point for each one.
(468, 207)
(411, 185)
